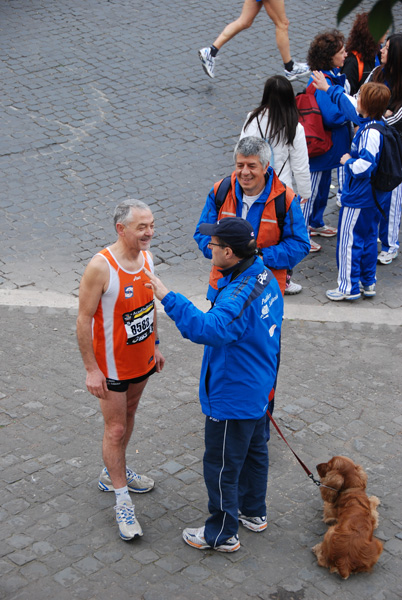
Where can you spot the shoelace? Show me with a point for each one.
(125, 512)
(131, 475)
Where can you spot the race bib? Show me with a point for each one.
(139, 323)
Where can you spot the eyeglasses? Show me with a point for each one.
(219, 245)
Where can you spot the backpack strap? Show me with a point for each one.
(222, 192)
(280, 210)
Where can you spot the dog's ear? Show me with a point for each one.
(322, 469)
(360, 478)
(334, 480)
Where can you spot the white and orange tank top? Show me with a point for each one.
(123, 324)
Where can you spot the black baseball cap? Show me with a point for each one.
(235, 231)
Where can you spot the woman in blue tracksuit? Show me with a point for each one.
(359, 215)
(327, 54)
(241, 334)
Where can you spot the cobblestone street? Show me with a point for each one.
(103, 100)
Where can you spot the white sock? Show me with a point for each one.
(122, 495)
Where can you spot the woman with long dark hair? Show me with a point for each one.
(390, 73)
(276, 121)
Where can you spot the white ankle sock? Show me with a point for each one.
(122, 495)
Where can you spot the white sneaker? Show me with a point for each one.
(314, 247)
(129, 528)
(292, 288)
(208, 61)
(298, 70)
(253, 523)
(138, 484)
(196, 539)
(386, 258)
(336, 295)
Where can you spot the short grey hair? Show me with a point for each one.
(253, 146)
(122, 212)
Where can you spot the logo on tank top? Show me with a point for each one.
(129, 291)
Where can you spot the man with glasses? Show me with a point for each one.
(241, 334)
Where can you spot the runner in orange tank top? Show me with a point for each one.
(118, 339)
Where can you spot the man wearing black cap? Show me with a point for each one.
(241, 334)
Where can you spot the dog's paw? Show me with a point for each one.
(316, 549)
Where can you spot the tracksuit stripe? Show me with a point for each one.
(220, 484)
(345, 255)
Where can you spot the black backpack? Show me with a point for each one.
(389, 171)
(280, 201)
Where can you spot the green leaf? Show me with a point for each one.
(346, 7)
(380, 18)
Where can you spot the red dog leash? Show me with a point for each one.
(309, 473)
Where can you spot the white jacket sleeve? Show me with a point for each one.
(299, 163)
(252, 129)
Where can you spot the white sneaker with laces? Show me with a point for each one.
(386, 258)
(253, 523)
(298, 70)
(196, 539)
(208, 61)
(139, 484)
(129, 528)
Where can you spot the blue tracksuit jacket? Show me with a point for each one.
(334, 119)
(241, 334)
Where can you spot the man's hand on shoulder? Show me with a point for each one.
(156, 285)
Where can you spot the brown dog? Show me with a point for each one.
(348, 546)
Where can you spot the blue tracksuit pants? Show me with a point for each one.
(356, 250)
(389, 227)
(313, 210)
(235, 473)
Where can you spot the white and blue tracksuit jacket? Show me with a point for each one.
(365, 153)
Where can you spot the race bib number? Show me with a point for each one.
(139, 323)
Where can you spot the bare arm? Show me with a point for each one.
(93, 284)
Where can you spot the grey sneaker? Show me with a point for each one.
(139, 484)
(367, 290)
(298, 70)
(208, 61)
(129, 528)
(254, 523)
(196, 539)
